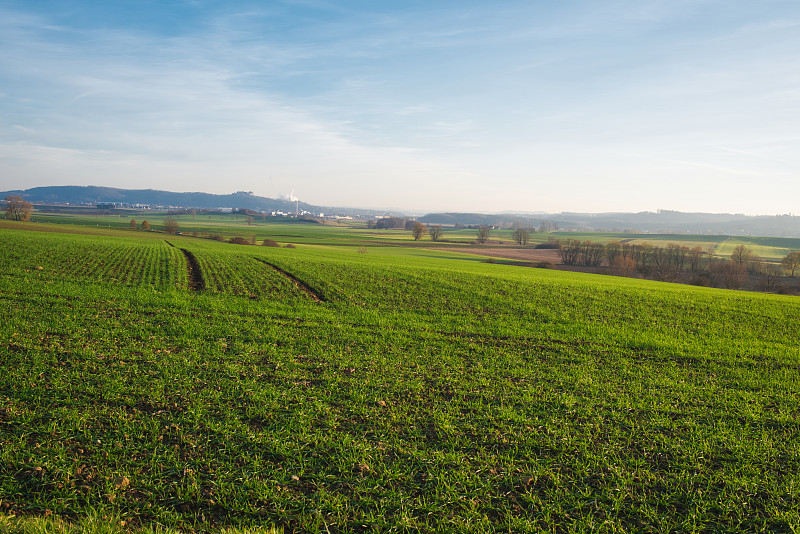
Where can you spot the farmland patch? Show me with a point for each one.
(426, 394)
(195, 275)
(307, 289)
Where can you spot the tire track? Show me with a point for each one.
(196, 280)
(315, 295)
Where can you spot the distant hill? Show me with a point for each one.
(663, 221)
(91, 195)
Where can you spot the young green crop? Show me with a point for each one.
(426, 392)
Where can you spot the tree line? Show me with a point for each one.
(679, 263)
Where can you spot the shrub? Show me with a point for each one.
(701, 281)
(270, 243)
(239, 241)
(290, 246)
(728, 274)
(624, 266)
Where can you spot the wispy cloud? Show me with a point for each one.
(344, 100)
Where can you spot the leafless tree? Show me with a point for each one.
(547, 226)
(132, 224)
(624, 266)
(435, 232)
(662, 264)
(419, 230)
(677, 256)
(570, 250)
(742, 255)
(791, 262)
(522, 236)
(613, 251)
(592, 253)
(728, 274)
(769, 276)
(695, 255)
(170, 225)
(145, 225)
(640, 253)
(483, 234)
(17, 208)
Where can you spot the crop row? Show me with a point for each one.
(223, 410)
(101, 259)
(461, 396)
(242, 275)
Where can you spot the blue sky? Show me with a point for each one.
(619, 105)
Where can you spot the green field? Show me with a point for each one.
(407, 389)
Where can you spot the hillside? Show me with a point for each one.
(174, 381)
(663, 221)
(91, 195)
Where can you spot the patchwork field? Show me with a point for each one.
(168, 381)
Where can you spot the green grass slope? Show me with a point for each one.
(320, 389)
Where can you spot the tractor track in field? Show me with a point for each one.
(315, 295)
(196, 280)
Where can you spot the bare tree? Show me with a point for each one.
(742, 255)
(662, 262)
(695, 255)
(791, 262)
(17, 208)
(613, 251)
(769, 277)
(132, 224)
(728, 274)
(483, 234)
(677, 256)
(624, 266)
(145, 225)
(547, 227)
(644, 253)
(170, 225)
(435, 232)
(522, 236)
(250, 220)
(593, 253)
(570, 250)
(419, 230)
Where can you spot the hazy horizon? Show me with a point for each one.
(448, 106)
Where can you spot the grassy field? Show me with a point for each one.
(320, 389)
